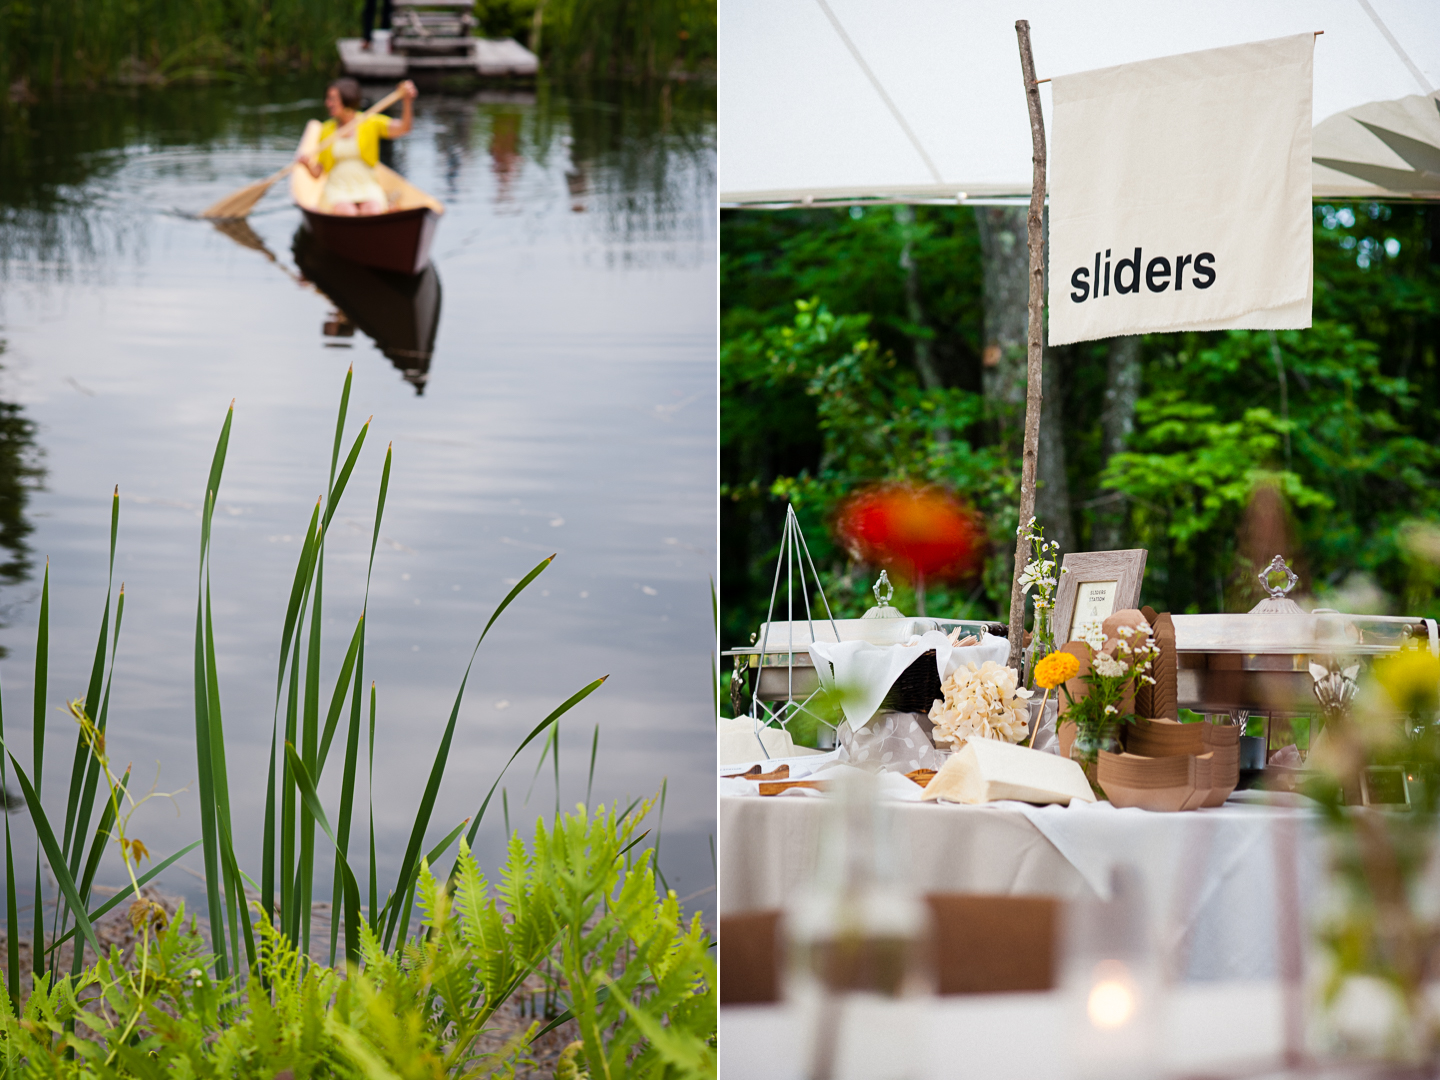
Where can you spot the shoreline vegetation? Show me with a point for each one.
(580, 914)
(65, 44)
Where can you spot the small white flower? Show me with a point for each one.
(1109, 667)
(1092, 632)
(1111, 710)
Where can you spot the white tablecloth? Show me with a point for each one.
(1024, 1036)
(1209, 875)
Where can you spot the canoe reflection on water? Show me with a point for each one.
(399, 312)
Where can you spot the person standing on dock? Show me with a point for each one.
(369, 19)
(349, 162)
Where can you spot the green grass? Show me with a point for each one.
(304, 739)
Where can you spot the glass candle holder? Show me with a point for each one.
(1111, 978)
(859, 978)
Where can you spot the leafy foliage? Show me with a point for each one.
(875, 423)
(153, 42)
(638, 979)
(1338, 424)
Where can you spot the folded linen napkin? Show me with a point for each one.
(862, 673)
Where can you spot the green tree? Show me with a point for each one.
(1337, 425)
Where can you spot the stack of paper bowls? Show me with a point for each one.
(1176, 782)
(1172, 766)
(1223, 740)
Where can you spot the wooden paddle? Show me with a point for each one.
(240, 203)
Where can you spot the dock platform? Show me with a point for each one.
(483, 57)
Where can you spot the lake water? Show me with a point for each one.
(567, 404)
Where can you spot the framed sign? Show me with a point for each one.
(1096, 584)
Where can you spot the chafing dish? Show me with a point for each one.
(1260, 661)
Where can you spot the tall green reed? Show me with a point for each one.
(46, 43)
(625, 38)
(72, 862)
(85, 42)
(302, 740)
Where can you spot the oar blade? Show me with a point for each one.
(239, 204)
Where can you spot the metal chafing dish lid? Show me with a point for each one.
(1318, 632)
(1279, 626)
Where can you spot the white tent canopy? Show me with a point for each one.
(922, 100)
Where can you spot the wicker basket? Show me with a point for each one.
(917, 688)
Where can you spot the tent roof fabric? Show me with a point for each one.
(832, 101)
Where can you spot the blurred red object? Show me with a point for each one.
(923, 532)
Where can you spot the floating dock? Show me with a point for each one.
(499, 59)
(435, 37)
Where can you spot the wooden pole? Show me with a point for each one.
(1034, 348)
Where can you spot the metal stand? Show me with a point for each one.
(794, 555)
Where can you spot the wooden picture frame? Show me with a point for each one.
(1113, 578)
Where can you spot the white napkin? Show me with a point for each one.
(864, 673)
(741, 738)
(801, 764)
(888, 785)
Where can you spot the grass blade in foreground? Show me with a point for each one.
(80, 768)
(42, 683)
(409, 868)
(143, 880)
(204, 759)
(569, 703)
(352, 890)
(57, 864)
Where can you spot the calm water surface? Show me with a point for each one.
(549, 387)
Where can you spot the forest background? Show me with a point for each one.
(51, 44)
(887, 343)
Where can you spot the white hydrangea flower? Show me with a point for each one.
(981, 703)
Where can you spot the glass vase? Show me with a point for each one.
(1042, 642)
(1089, 741)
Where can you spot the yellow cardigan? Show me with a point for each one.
(368, 133)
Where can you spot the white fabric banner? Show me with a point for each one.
(1180, 194)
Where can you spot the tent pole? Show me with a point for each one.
(1034, 349)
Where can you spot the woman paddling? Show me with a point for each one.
(348, 163)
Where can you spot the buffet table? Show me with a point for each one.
(1209, 875)
(1024, 1036)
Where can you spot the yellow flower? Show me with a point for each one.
(1055, 669)
(1410, 678)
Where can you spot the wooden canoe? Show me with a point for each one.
(398, 240)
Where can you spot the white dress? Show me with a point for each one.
(350, 179)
